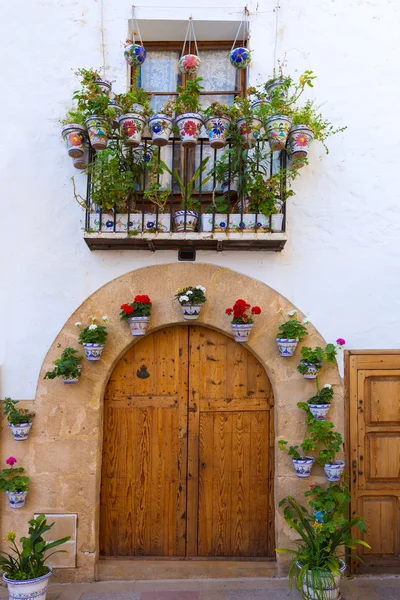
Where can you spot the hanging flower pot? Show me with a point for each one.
(240, 57)
(217, 130)
(74, 136)
(335, 471)
(28, 589)
(287, 346)
(161, 128)
(117, 111)
(319, 411)
(99, 131)
(191, 220)
(271, 86)
(81, 162)
(20, 432)
(277, 129)
(189, 125)
(249, 130)
(312, 370)
(189, 64)
(93, 351)
(137, 314)
(298, 142)
(131, 126)
(104, 85)
(303, 466)
(16, 499)
(135, 55)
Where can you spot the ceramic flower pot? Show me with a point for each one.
(81, 162)
(277, 129)
(135, 55)
(240, 57)
(287, 346)
(16, 499)
(161, 128)
(138, 325)
(334, 472)
(99, 131)
(131, 126)
(298, 142)
(241, 331)
(104, 85)
(271, 86)
(191, 220)
(303, 466)
(319, 411)
(189, 64)
(93, 351)
(117, 112)
(312, 370)
(330, 585)
(189, 125)
(74, 136)
(220, 222)
(69, 380)
(249, 131)
(28, 589)
(191, 311)
(276, 223)
(217, 130)
(20, 432)
(153, 225)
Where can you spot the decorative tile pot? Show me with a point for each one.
(319, 411)
(330, 585)
(104, 85)
(138, 325)
(189, 125)
(81, 162)
(298, 142)
(135, 55)
(131, 126)
(189, 64)
(117, 112)
(28, 589)
(277, 129)
(241, 331)
(74, 136)
(20, 432)
(191, 220)
(249, 131)
(16, 499)
(312, 370)
(99, 131)
(240, 57)
(93, 351)
(268, 88)
(191, 311)
(287, 346)
(161, 128)
(303, 466)
(334, 472)
(69, 380)
(217, 130)
(152, 224)
(220, 222)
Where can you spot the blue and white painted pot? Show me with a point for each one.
(241, 331)
(277, 129)
(189, 125)
(298, 143)
(271, 86)
(99, 131)
(104, 85)
(117, 112)
(240, 57)
(217, 130)
(16, 499)
(131, 126)
(135, 55)
(75, 137)
(191, 311)
(287, 346)
(93, 351)
(319, 411)
(312, 370)
(28, 589)
(334, 472)
(138, 325)
(161, 128)
(330, 585)
(191, 220)
(249, 131)
(20, 432)
(69, 380)
(303, 466)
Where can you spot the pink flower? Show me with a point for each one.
(341, 341)
(11, 461)
(301, 140)
(191, 62)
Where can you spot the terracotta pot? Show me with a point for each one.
(75, 137)
(138, 325)
(161, 128)
(131, 126)
(303, 466)
(189, 64)
(99, 131)
(298, 143)
(28, 589)
(191, 311)
(249, 131)
(217, 130)
(277, 129)
(135, 55)
(241, 331)
(189, 125)
(191, 220)
(287, 346)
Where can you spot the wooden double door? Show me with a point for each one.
(188, 450)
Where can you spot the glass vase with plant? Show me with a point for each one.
(290, 333)
(242, 319)
(191, 299)
(187, 109)
(313, 358)
(93, 338)
(67, 366)
(19, 419)
(14, 483)
(137, 314)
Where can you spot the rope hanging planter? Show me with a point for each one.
(241, 57)
(189, 64)
(134, 53)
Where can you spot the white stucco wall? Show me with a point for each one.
(340, 265)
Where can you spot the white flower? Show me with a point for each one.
(78, 324)
(104, 318)
(305, 321)
(92, 327)
(184, 299)
(291, 313)
(189, 292)
(200, 287)
(328, 385)
(92, 318)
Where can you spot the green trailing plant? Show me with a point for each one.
(135, 95)
(28, 562)
(13, 479)
(93, 333)
(191, 295)
(157, 195)
(323, 395)
(293, 328)
(188, 99)
(266, 193)
(66, 366)
(216, 109)
(283, 97)
(89, 98)
(73, 116)
(310, 115)
(321, 437)
(16, 416)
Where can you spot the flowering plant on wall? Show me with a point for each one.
(19, 419)
(137, 313)
(67, 366)
(290, 333)
(312, 359)
(93, 337)
(14, 483)
(242, 321)
(191, 300)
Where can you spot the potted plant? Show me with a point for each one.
(217, 119)
(14, 483)
(74, 133)
(185, 219)
(189, 64)
(159, 196)
(248, 123)
(25, 572)
(93, 337)
(242, 322)
(191, 300)
(137, 313)
(161, 124)
(187, 109)
(67, 366)
(317, 562)
(134, 54)
(216, 217)
(19, 419)
(330, 503)
(320, 403)
(312, 359)
(116, 109)
(135, 105)
(290, 333)
(302, 462)
(240, 57)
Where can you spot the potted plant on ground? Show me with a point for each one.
(185, 219)
(135, 105)
(302, 462)
(25, 572)
(187, 109)
(161, 124)
(137, 313)
(242, 322)
(312, 359)
(14, 483)
(93, 337)
(217, 120)
(19, 419)
(320, 403)
(290, 334)
(67, 366)
(191, 300)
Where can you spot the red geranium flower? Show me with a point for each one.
(144, 299)
(256, 310)
(190, 128)
(245, 129)
(128, 310)
(129, 128)
(229, 311)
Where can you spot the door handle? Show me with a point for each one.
(354, 465)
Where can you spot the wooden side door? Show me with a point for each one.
(143, 485)
(374, 456)
(230, 450)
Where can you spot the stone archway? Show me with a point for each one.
(63, 455)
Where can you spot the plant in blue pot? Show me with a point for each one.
(19, 419)
(15, 483)
(191, 299)
(93, 338)
(290, 333)
(240, 57)
(161, 124)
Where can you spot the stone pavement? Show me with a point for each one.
(360, 588)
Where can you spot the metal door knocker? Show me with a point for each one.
(142, 373)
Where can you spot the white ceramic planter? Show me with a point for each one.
(330, 585)
(28, 589)
(138, 325)
(220, 222)
(298, 141)
(20, 432)
(241, 331)
(319, 411)
(249, 131)
(99, 131)
(135, 222)
(225, 187)
(69, 380)
(191, 311)
(131, 126)
(93, 351)
(217, 131)
(161, 128)
(334, 472)
(312, 370)
(151, 224)
(287, 346)
(272, 85)
(189, 125)
(303, 466)
(277, 129)
(191, 220)
(74, 136)
(16, 499)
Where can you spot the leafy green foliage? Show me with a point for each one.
(135, 95)
(216, 109)
(322, 437)
(93, 333)
(16, 416)
(292, 329)
(188, 97)
(13, 480)
(66, 365)
(332, 501)
(316, 357)
(89, 98)
(191, 295)
(192, 186)
(73, 116)
(310, 115)
(157, 195)
(323, 396)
